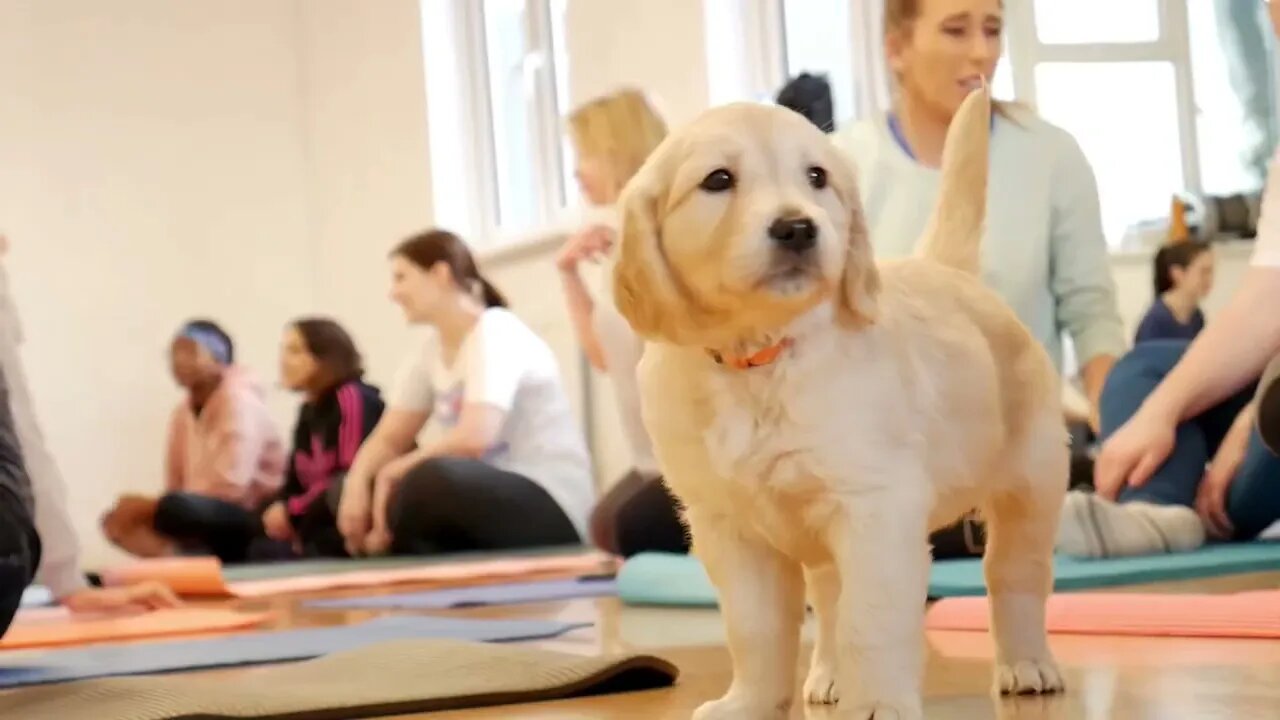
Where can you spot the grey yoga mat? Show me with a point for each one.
(56, 666)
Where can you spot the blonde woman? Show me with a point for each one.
(612, 135)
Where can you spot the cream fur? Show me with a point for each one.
(911, 395)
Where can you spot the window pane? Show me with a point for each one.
(560, 55)
(818, 42)
(1231, 60)
(1075, 22)
(506, 46)
(1124, 115)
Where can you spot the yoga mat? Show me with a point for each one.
(203, 576)
(57, 666)
(395, 678)
(45, 627)
(680, 580)
(1241, 615)
(328, 566)
(503, 594)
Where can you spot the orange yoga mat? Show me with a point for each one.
(202, 576)
(47, 627)
(1242, 615)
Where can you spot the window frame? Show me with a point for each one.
(461, 124)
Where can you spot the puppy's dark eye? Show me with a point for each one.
(719, 180)
(817, 177)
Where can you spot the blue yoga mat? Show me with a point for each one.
(19, 669)
(504, 594)
(680, 580)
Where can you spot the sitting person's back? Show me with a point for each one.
(1183, 275)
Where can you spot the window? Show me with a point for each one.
(1156, 96)
(496, 82)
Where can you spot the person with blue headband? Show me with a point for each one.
(225, 460)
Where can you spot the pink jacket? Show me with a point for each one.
(232, 451)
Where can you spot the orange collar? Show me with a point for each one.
(763, 356)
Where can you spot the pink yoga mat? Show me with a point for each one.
(1242, 615)
(47, 627)
(203, 576)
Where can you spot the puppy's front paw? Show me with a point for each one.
(1029, 677)
(738, 706)
(883, 709)
(820, 686)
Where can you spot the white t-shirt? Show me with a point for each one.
(504, 364)
(1266, 250)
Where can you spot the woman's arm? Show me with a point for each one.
(1229, 353)
(391, 438)
(589, 244)
(1081, 281)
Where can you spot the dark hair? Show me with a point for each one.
(333, 349)
(810, 95)
(1175, 255)
(208, 326)
(434, 246)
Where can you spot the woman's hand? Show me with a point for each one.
(131, 598)
(1132, 455)
(1211, 498)
(354, 514)
(591, 243)
(276, 523)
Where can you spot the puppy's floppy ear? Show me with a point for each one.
(643, 287)
(856, 304)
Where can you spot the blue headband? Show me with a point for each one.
(217, 346)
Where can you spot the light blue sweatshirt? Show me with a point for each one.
(1044, 250)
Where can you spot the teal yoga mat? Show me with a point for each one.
(679, 580)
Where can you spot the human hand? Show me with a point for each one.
(1211, 497)
(136, 598)
(276, 522)
(354, 515)
(1132, 455)
(591, 243)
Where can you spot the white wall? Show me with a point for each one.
(251, 160)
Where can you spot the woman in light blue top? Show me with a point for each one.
(1044, 251)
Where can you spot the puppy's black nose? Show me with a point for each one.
(795, 234)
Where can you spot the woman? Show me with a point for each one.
(1044, 251)
(1151, 468)
(1183, 275)
(611, 137)
(319, 360)
(225, 459)
(507, 466)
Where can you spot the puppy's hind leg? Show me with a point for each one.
(761, 596)
(1021, 527)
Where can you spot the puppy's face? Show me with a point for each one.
(738, 223)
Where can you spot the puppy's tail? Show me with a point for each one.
(953, 236)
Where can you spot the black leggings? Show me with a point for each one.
(455, 505)
(19, 554)
(201, 524)
(637, 515)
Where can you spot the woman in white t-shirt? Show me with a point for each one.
(507, 466)
(612, 135)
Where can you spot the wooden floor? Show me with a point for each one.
(1122, 678)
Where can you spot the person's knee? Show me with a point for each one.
(428, 485)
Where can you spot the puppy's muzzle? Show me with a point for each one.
(796, 235)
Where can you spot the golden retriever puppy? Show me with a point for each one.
(818, 415)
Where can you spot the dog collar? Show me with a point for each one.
(764, 356)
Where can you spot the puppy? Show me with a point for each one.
(818, 415)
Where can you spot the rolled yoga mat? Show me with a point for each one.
(680, 580)
(479, 595)
(57, 666)
(392, 678)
